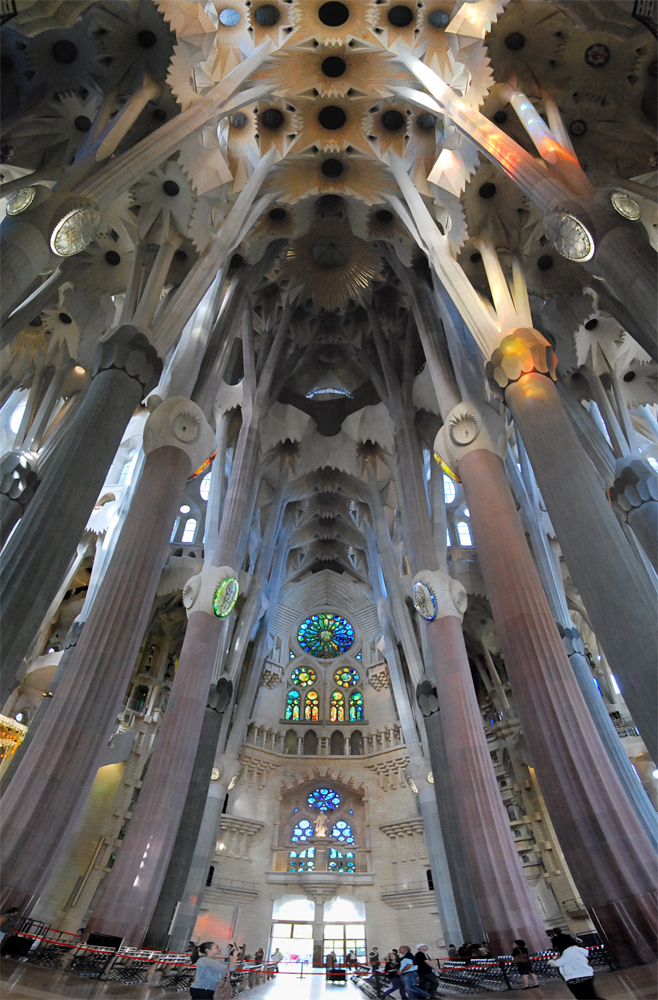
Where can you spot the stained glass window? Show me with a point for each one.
(302, 831)
(325, 635)
(302, 861)
(358, 655)
(303, 676)
(337, 707)
(356, 706)
(311, 708)
(293, 702)
(324, 799)
(339, 862)
(346, 677)
(342, 831)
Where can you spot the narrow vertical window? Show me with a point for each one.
(356, 706)
(292, 706)
(337, 707)
(311, 708)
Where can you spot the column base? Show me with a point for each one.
(628, 926)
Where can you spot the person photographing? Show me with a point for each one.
(211, 971)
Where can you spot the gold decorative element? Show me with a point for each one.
(31, 339)
(333, 266)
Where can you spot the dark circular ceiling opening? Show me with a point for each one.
(393, 121)
(333, 14)
(171, 188)
(267, 16)
(400, 16)
(64, 51)
(332, 168)
(333, 66)
(332, 117)
(487, 190)
(271, 118)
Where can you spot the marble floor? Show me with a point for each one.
(25, 982)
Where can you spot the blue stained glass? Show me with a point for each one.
(293, 702)
(325, 635)
(302, 831)
(302, 861)
(343, 831)
(324, 799)
(358, 656)
(341, 862)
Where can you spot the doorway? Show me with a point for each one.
(343, 938)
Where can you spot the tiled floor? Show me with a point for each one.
(25, 982)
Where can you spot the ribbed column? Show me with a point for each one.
(18, 484)
(132, 889)
(188, 830)
(38, 554)
(507, 908)
(43, 802)
(601, 562)
(606, 848)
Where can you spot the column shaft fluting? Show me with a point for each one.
(607, 850)
(59, 768)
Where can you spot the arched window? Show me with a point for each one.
(337, 707)
(464, 533)
(310, 743)
(356, 743)
(449, 491)
(356, 706)
(189, 531)
(342, 831)
(339, 862)
(204, 488)
(293, 702)
(174, 530)
(290, 742)
(337, 744)
(138, 699)
(302, 831)
(312, 707)
(302, 861)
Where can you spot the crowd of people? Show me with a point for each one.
(411, 974)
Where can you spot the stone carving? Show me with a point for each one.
(635, 484)
(179, 423)
(129, 349)
(321, 825)
(437, 595)
(519, 353)
(469, 427)
(18, 476)
(200, 593)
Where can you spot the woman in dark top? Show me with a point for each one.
(522, 962)
(392, 970)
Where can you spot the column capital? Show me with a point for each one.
(469, 427)
(214, 591)
(18, 476)
(520, 352)
(635, 484)
(177, 422)
(571, 639)
(129, 349)
(436, 595)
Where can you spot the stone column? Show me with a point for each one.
(507, 908)
(446, 800)
(602, 565)
(36, 557)
(181, 856)
(60, 765)
(608, 853)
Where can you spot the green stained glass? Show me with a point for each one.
(346, 677)
(325, 635)
(356, 706)
(303, 676)
(225, 597)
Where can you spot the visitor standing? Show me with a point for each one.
(373, 958)
(578, 974)
(427, 969)
(392, 970)
(521, 959)
(211, 969)
(409, 973)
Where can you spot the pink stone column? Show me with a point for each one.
(607, 850)
(44, 800)
(507, 907)
(132, 891)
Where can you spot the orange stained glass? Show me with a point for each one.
(337, 707)
(312, 708)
